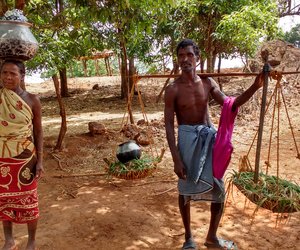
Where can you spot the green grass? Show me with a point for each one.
(145, 162)
(269, 192)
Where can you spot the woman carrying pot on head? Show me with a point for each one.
(21, 153)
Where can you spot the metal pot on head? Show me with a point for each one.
(16, 39)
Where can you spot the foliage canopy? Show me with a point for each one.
(148, 30)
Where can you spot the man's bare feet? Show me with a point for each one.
(221, 244)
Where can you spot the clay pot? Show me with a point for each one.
(17, 41)
(128, 151)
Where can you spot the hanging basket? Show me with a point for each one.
(270, 192)
(134, 169)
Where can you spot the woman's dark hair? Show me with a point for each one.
(187, 42)
(19, 64)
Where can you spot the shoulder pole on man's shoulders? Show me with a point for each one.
(266, 70)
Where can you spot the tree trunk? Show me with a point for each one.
(132, 72)
(214, 58)
(97, 67)
(165, 85)
(106, 66)
(84, 68)
(72, 71)
(173, 52)
(64, 82)
(209, 61)
(163, 64)
(124, 79)
(120, 64)
(202, 62)
(109, 68)
(63, 127)
(124, 72)
(60, 5)
(20, 4)
(288, 8)
(3, 7)
(209, 47)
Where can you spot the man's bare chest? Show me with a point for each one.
(192, 95)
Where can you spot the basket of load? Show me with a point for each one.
(269, 192)
(130, 163)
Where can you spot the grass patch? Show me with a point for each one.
(134, 169)
(270, 192)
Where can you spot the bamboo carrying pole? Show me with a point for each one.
(266, 70)
(211, 74)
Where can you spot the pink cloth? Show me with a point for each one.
(223, 148)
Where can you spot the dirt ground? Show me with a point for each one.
(103, 212)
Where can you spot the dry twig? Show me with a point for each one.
(78, 175)
(166, 191)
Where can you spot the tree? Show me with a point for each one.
(62, 37)
(293, 36)
(63, 32)
(6, 5)
(243, 31)
(203, 21)
(288, 8)
(170, 30)
(127, 25)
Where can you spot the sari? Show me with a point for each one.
(18, 186)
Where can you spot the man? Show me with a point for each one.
(187, 97)
(21, 154)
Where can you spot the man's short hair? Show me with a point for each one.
(19, 64)
(188, 42)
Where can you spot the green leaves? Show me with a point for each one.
(244, 30)
(149, 29)
(270, 192)
(63, 32)
(293, 36)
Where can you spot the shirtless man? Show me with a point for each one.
(187, 97)
(20, 124)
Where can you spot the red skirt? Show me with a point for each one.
(18, 188)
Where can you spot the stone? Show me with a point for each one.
(96, 87)
(96, 128)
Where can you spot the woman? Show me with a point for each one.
(21, 153)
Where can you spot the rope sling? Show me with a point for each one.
(147, 164)
(270, 192)
(277, 203)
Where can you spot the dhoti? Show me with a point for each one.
(195, 144)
